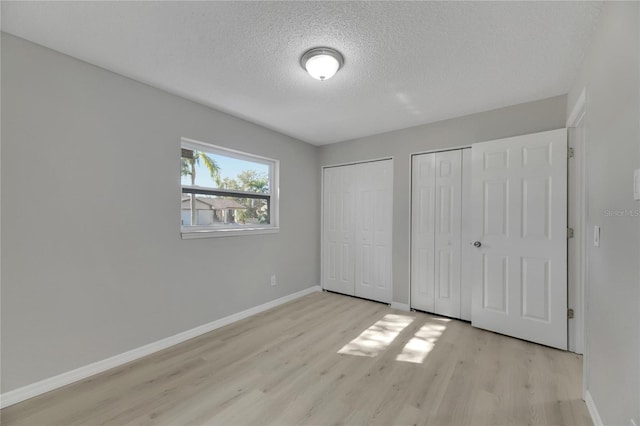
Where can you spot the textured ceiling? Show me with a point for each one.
(406, 63)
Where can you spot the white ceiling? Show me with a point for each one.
(406, 63)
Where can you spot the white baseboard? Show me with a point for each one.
(46, 385)
(593, 410)
(400, 306)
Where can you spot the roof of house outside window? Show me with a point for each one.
(210, 203)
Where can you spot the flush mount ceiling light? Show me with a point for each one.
(322, 62)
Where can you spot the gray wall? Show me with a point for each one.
(516, 120)
(78, 288)
(611, 75)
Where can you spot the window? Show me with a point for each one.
(226, 192)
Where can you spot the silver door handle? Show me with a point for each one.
(477, 244)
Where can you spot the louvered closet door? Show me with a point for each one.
(374, 206)
(339, 229)
(436, 232)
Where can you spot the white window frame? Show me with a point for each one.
(209, 231)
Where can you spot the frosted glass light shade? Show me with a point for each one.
(322, 67)
(322, 63)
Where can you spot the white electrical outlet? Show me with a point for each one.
(273, 280)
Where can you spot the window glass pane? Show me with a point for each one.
(205, 210)
(212, 170)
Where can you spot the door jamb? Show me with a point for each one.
(578, 274)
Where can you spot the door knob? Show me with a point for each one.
(477, 244)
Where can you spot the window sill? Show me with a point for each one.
(215, 233)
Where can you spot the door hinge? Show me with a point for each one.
(570, 313)
(571, 152)
(570, 233)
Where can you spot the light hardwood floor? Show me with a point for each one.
(284, 367)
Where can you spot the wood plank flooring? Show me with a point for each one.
(282, 367)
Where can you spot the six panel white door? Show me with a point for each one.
(519, 191)
(357, 220)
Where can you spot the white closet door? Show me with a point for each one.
(436, 224)
(448, 212)
(520, 220)
(467, 251)
(373, 230)
(339, 229)
(357, 229)
(423, 186)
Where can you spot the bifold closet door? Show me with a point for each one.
(423, 185)
(467, 252)
(357, 229)
(447, 233)
(436, 232)
(339, 229)
(374, 206)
